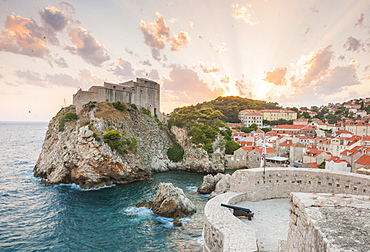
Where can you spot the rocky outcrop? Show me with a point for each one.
(171, 202)
(195, 159)
(75, 151)
(215, 185)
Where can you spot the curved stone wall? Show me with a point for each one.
(224, 232)
(280, 182)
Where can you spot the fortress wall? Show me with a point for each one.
(280, 182)
(327, 222)
(224, 232)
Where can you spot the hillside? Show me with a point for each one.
(231, 105)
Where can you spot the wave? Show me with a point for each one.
(192, 188)
(77, 187)
(138, 211)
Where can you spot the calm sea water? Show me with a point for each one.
(34, 217)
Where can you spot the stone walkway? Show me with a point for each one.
(270, 221)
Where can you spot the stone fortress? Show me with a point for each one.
(329, 211)
(143, 93)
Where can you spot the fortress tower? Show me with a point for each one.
(142, 92)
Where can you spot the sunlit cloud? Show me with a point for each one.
(179, 40)
(219, 47)
(243, 12)
(155, 34)
(276, 76)
(317, 64)
(186, 85)
(87, 47)
(25, 36)
(209, 69)
(225, 79)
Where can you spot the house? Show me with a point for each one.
(275, 114)
(288, 129)
(255, 153)
(234, 125)
(338, 165)
(362, 161)
(300, 121)
(249, 117)
(315, 156)
(296, 153)
(308, 131)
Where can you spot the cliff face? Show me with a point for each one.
(80, 150)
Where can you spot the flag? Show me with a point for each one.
(263, 155)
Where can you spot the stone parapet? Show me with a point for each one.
(328, 223)
(280, 182)
(222, 230)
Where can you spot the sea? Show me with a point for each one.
(35, 217)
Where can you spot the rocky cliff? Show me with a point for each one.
(103, 145)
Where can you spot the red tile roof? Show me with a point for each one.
(363, 160)
(313, 165)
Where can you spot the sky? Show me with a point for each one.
(296, 53)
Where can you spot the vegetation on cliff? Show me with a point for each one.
(230, 106)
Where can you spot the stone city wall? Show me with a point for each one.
(280, 182)
(326, 222)
(224, 232)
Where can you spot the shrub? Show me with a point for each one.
(175, 153)
(113, 139)
(97, 138)
(119, 105)
(133, 106)
(146, 112)
(70, 116)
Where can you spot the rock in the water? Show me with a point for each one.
(144, 203)
(222, 186)
(171, 202)
(209, 183)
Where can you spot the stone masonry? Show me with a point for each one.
(347, 195)
(142, 92)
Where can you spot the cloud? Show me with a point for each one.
(211, 69)
(124, 68)
(31, 78)
(276, 76)
(54, 19)
(219, 47)
(87, 77)
(337, 79)
(184, 85)
(146, 63)
(61, 62)
(87, 47)
(179, 40)
(360, 21)
(1, 76)
(67, 7)
(225, 79)
(24, 36)
(243, 12)
(154, 75)
(62, 80)
(317, 64)
(131, 52)
(352, 44)
(155, 34)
